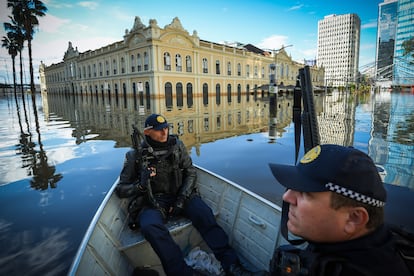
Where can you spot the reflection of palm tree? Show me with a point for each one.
(26, 14)
(43, 174)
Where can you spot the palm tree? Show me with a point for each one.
(26, 13)
(18, 35)
(10, 44)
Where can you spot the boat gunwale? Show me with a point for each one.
(82, 247)
(91, 228)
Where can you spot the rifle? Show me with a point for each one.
(306, 120)
(138, 142)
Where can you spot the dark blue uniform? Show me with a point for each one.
(374, 254)
(175, 179)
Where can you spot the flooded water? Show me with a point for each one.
(60, 154)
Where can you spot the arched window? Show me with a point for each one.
(178, 63)
(122, 65)
(146, 61)
(238, 69)
(255, 93)
(248, 70)
(132, 63)
(139, 63)
(107, 67)
(148, 95)
(168, 95)
(124, 90)
(114, 66)
(248, 93)
(189, 95)
(205, 65)
(188, 64)
(167, 61)
(239, 93)
(218, 94)
(179, 93)
(134, 94)
(229, 68)
(100, 69)
(229, 93)
(263, 73)
(205, 94)
(217, 67)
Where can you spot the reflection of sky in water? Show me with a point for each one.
(32, 220)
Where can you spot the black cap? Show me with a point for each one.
(344, 170)
(155, 121)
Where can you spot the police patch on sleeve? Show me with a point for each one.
(311, 155)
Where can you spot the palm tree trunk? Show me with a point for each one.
(14, 78)
(21, 80)
(32, 85)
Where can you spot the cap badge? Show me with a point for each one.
(311, 155)
(160, 119)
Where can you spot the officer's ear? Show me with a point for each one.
(357, 220)
(147, 131)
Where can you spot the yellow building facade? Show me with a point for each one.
(170, 70)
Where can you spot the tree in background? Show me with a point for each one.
(10, 44)
(15, 30)
(25, 13)
(408, 46)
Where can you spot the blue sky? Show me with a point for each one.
(264, 23)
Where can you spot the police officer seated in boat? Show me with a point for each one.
(169, 180)
(335, 199)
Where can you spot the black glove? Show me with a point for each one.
(126, 190)
(145, 175)
(178, 207)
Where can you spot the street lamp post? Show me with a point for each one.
(273, 90)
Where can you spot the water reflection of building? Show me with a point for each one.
(336, 118)
(167, 69)
(104, 119)
(392, 137)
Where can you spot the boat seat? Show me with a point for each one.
(130, 238)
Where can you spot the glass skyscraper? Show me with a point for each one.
(395, 25)
(387, 27)
(404, 65)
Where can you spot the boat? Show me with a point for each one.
(252, 223)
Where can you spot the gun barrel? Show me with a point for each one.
(311, 136)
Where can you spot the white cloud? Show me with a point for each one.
(88, 4)
(297, 7)
(51, 24)
(369, 25)
(273, 42)
(55, 4)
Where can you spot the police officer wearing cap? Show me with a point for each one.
(335, 199)
(173, 188)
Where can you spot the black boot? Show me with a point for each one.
(238, 270)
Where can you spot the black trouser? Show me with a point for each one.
(172, 259)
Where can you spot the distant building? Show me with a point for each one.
(403, 65)
(170, 64)
(338, 48)
(387, 27)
